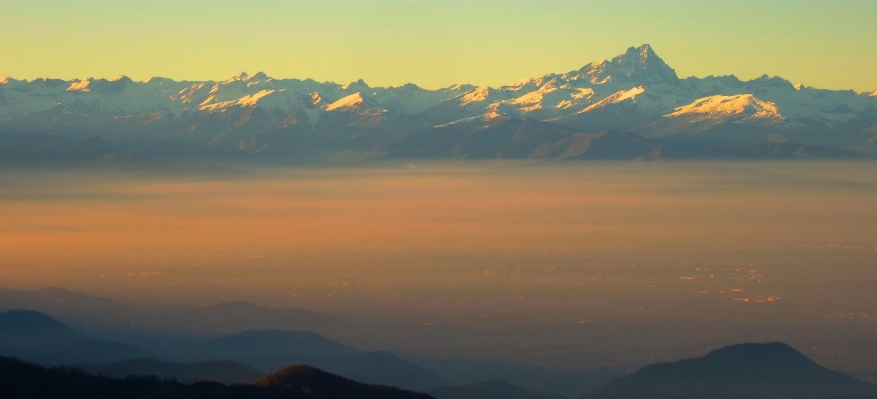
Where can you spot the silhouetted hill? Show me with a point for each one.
(773, 370)
(237, 316)
(383, 367)
(50, 342)
(496, 389)
(272, 349)
(312, 382)
(36, 337)
(23, 380)
(100, 314)
(217, 370)
(569, 382)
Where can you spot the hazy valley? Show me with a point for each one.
(557, 277)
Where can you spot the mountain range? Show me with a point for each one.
(99, 316)
(224, 371)
(772, 370)
(188, 339)
(19, 379)
(633, 106)
(39, 338)
(36, 337)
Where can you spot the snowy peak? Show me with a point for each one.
(616, 98)
(637, 63)
(636, 91)
(642, 57)
(80, 85)
(248, 101)
(479, 94)
(237, 78)
(353, 102)
(742, 106)
(775, 82)
(358, 85)
(247, 78)
(101, 86)
(313, 100)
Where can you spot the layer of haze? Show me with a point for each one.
(564, 264)
(827, 44)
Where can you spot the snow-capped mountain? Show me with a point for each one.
(636, 92)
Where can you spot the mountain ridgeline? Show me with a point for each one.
(239, 357)
(754, 371)
(39, 338)
(94, 315)
(24, 380)
(633, 106)
(309, 365)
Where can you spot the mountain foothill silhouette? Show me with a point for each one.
(85, 367)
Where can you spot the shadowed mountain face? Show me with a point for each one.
(773, 370)
(87, 312)
(383, 367)
(309, 381)
(504, 138)
(35, 337)
(270, 349)
(275, 349)
(24, 380)
(570, 383)
(520, 139)
(496, 389)
(216, 370)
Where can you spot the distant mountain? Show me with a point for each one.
(36, 337)
(23, 380)
(312, 382)
(274, 349)
(236, 316)
(99, 314)
(47, 149)
(259, 116)
(216, 370)
(270, 349)
(773, 370)
(520, 139)
(569, 382)
(503, 138)
(539, 380)
(382, 367)
(496, 389)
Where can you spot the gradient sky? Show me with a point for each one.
(828, 44)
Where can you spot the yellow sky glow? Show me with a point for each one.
(435, 44)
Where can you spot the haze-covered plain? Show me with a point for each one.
(557, 264)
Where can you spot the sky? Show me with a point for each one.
(826, 44)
